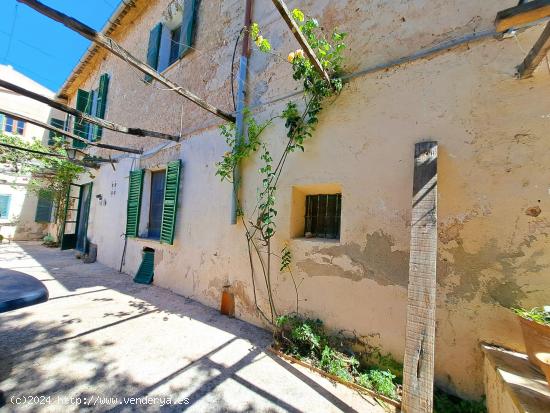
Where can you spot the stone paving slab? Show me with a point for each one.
(102, 340)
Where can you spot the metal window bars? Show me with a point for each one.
(322, 219)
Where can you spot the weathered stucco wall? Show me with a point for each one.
(492, 131)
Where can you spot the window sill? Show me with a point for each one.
(147, 240)
(318, 241)
(171, 66)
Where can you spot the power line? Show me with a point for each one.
(11, 33)
(15, 64)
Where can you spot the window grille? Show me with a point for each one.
(322, 218)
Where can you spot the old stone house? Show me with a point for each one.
(493, 184)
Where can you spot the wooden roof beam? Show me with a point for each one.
(522, 15)
(287, 17)
(109, 44)
(536, 54)
(68, 134)
(81, 115)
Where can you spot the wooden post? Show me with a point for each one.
(418, 373)
(536, 54)
(287, 17)
(241, 105)
(68, 134)
(109, 44)
(521, 15)
(88, 118)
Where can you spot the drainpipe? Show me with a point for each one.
(241, 92)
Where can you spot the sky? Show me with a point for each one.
(42, 49)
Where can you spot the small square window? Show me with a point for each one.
(322, 219)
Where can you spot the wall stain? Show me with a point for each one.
(375, 260)
(471, 269)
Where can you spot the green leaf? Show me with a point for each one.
(298, 15)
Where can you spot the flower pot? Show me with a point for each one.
(544, 361)
(537, 339)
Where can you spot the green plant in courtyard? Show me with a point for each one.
(539, 315)
(381, 381)
(446, 403)
(300, 122)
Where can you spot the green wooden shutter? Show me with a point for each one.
(44, 207)
(83, 104)
(146, 269)
(58, 123)
(187, 26)
(134, 202)
(153, 49)
(169, 208)
(101, 104)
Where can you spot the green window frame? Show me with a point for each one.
(176, 40)
(188, 26)
(153, 49)
(101, 105)
(58, 123)
(94, 103)
(133, 211)
(80, 127)
(170, 206)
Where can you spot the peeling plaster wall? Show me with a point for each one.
(493, 173)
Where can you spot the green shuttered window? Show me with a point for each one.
(188, 26)
(44, 207)
(101, 105)
(169, 211)
(83, 104)
(134, 203)
(153, 49)
(58, 123)
(173, 40)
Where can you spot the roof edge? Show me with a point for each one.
(113, 22)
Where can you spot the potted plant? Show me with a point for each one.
(535, 326)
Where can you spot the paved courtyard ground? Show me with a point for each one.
(102, 340)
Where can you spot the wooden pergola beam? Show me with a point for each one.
(536, 54)
(68, 134)
(522, 15)
(287, 17)
(90, 162)
(109, 44)
(84, 116)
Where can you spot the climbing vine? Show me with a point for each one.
(300, 120)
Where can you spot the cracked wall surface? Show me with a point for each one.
(493, 172)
